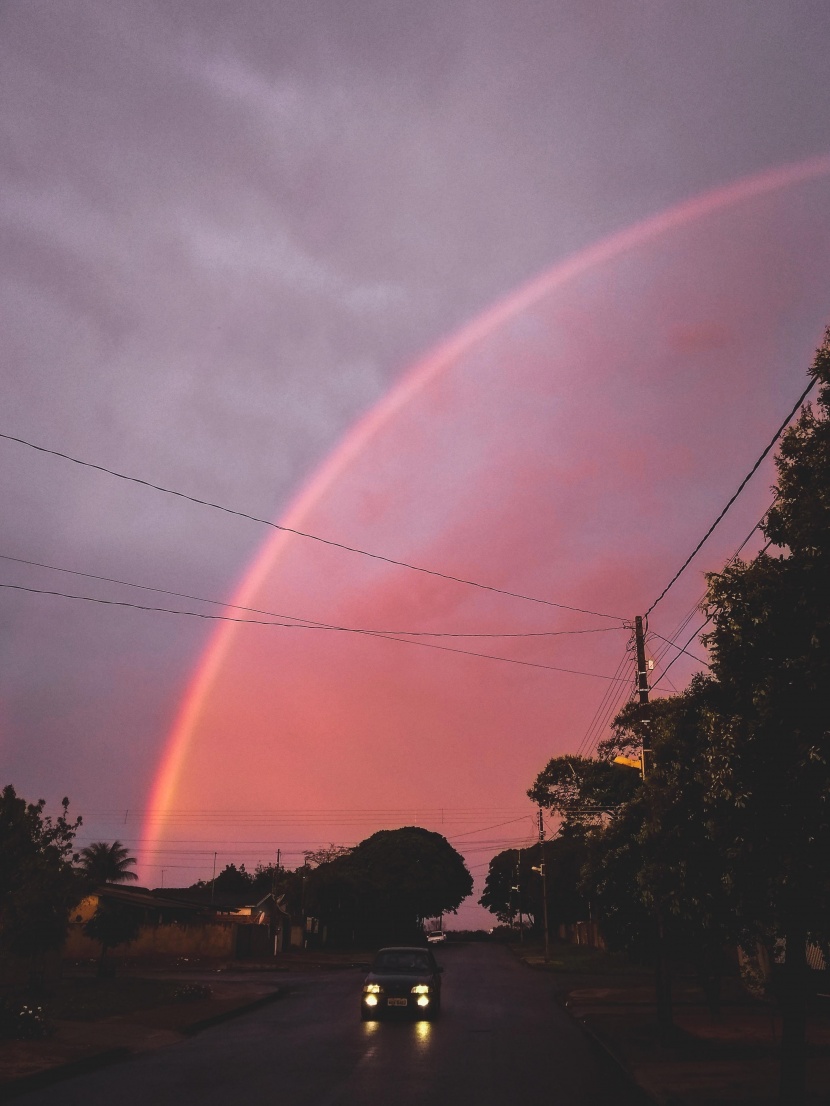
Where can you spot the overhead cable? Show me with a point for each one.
(297, 622)
(298, 533)
(261, 622)
(741, 487)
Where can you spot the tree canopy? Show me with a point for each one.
(38, 883)
(385, 887)
(514, 886)
(727, 837)
(107, 862)
(770, 653)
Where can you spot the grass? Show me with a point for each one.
(90, 999)
(578, 960)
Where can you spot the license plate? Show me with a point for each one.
(396, 1002)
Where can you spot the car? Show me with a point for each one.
(404, 980)
(436, 938)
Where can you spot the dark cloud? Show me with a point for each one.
(227, 229)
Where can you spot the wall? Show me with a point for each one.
(215, 940)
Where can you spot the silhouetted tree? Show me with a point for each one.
(513, 887)
(107, 862)
(113, 923)
(234, 881)
(770, 650)
(38, 883)
(385, 887)
(582, 789)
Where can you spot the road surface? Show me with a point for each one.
(501, 1039)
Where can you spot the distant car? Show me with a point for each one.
(436, 938)
(402, 981)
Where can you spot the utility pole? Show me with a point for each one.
(213, 880)
(662, 971)
(541, 871)
(274, 881)
(642, 686)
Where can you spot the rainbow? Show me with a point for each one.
(419, 378)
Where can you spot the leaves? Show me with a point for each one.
(104, 862)
(389, 883)
(38, 884)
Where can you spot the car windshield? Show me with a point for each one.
(405, 961)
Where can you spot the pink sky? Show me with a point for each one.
(229, 234)
(578, 430)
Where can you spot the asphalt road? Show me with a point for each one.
(500, 1039)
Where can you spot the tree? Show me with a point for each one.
(770, 652)
(682, 874)
(113, 923)
(315, 857)
(580, 789)
(507, 889)
(646, 858)
(103, 862)
(234, 881)
(38, 883)
(513, 884)
(384, 888)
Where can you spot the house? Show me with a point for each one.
(184, 924)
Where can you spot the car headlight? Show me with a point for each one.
(371, 989)
(420, 989)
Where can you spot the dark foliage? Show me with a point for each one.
(38, 883)
(513, 887)
(384, 888)
(113, 924)
(107, 862)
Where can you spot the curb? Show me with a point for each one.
(45, 1078)
(601, 1045)
(226, 1015)
(618, 1062)
(98, 1060)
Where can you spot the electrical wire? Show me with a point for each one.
(498, 825)
(670, 642)
(297, 622)
(602, 704)
(741, 487)
(260, 622)
(607, 705)
(682, 650)
(298, 533)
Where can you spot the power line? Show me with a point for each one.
(260, 622)
(298, 533)
(670, 642)
(612, 696)
(498, 825)
(606, 705)
(682, 650)
(741, 487)
(298, 623)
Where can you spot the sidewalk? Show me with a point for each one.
(712, 1062)
(80, 1046)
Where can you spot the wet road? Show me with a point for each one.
(501, 1039)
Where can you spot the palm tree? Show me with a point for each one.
(105, 863)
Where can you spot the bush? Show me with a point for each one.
(21, 1022)
(192, 992)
